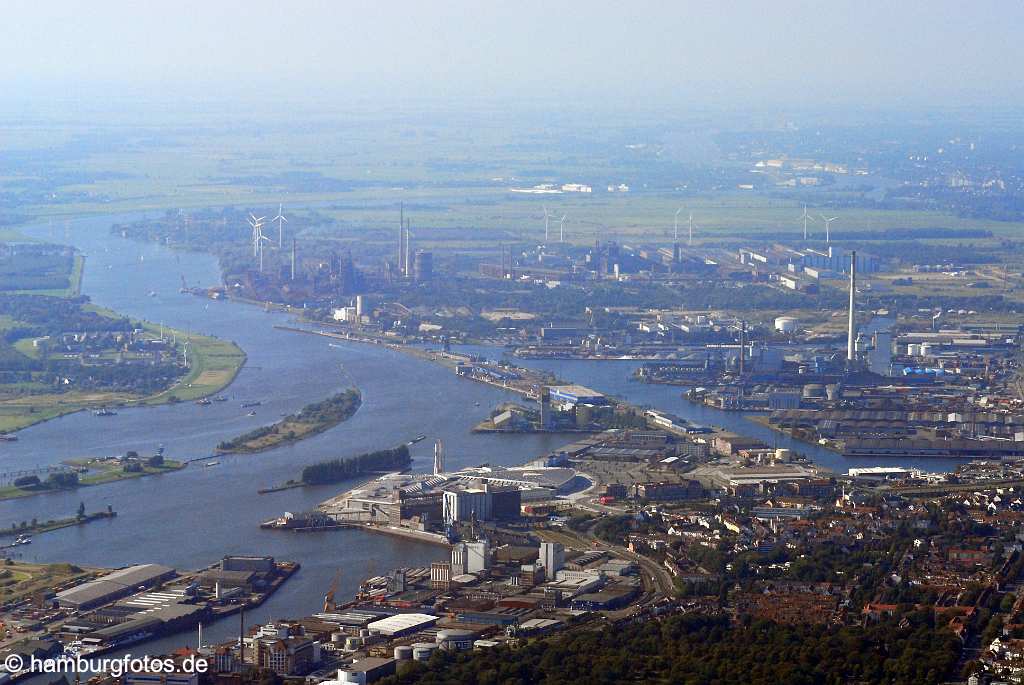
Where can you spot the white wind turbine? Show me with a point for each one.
(561, 229)
(828, 225)
(689, 240)
(676, 223)
(280, 225)
(805, 216)
(257, 231)
(547, 216)
(262, 239)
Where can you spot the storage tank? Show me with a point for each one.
(422, 651)
(353, 643)
(403, 652)
(786, 324)
(783, 455)
(453, 639)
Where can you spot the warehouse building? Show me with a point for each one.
(403, 624)
(114, 586)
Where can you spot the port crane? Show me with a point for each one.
(329, 604)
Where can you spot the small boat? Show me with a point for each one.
(220, 398)
(246, 405)
(104, 412)
(152, 293)
(418, 438)
(7, 437)
(252, 413)
(204, 402)
(23, 540)
(211, 463)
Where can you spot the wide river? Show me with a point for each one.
(191, 518)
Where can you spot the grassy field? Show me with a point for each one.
(213, 365)
(287, 432)
(20, 579)
(20, 411)
(451, 171)
(74, 286)
(482, 215)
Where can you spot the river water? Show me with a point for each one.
(191, 518)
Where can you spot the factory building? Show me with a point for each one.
(471, 557)
(486, 503)
(552, 557)
(423, 266)
(567, 396)
(465, 505)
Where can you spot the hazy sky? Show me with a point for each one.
(938, 52)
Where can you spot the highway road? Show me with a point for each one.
(654, 576)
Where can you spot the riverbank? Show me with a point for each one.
(311, 420)
(764, 420)
(215, 364)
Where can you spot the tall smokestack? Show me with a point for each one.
(743, 346)
(401, 238)
(407, 264)
(438, 457)
(851, 340)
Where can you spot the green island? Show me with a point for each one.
(89, 472)
(337, 470)
(60, 355)
(312, 419)
(35, 527)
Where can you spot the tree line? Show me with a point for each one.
(337, 470)
(695, 649)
